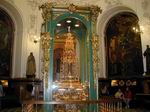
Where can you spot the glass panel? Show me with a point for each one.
(66, 57)
(67, 76)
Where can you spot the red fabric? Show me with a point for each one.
(128, 95)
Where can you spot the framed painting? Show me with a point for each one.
(124, 52)
(6, 42)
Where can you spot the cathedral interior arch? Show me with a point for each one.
(17, 22)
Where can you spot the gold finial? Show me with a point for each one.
(72, 8)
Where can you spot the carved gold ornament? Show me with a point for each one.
(95, 10)
(45, 41)
(72, 8)
(95, 47)
(46, 10)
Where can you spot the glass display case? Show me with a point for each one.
(69, 44)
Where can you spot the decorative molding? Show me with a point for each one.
(57, 15)
(113, 2)
(33, 19)
(48, 7)
(95, 10)
(34, 3)
(76, 2)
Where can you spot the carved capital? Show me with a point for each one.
(46, 10)
(45, 39)
(95, 10)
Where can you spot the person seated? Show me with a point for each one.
(128, 97)
(119, 94)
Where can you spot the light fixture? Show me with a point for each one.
(142, 28)
(58, 24)
(36, 38)
(135, 29)
(76, 25)
(54, 86)
(68, 21)
(33, 37)
(138, 29)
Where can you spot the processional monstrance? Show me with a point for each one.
(69, 60)
(71, 86)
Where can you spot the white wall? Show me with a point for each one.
(31, 21)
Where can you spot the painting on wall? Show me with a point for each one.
(6, 39)
(124, 52)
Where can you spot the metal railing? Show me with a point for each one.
(106, 104)
(110, 104)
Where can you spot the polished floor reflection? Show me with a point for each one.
(41, 110)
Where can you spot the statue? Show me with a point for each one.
(147, 55)
(31, 66)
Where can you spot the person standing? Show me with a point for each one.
(147, 55)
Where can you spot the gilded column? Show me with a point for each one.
(95, 48)
(45, 41)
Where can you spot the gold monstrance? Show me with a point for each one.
(69, 87)
(69, 56)
(69, 66)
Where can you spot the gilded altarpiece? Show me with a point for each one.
(70, 59)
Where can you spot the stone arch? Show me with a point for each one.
(101, 27)
(16, 17)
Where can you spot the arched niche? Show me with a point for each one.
(79, 33)
(6, 44)
(101, 29)
(123, 46)
(12, 11)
